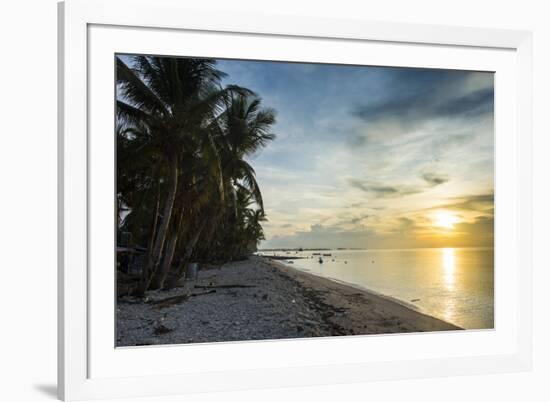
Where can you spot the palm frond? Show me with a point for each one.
(134, 90)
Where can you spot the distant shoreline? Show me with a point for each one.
(299, 249)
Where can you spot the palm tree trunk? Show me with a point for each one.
(155, 255)
(189, 248)
(155, 224)
(162, 273)
(160, 277)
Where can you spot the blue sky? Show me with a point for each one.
(374, 156)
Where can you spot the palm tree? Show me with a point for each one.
(182, 147)
(171, 98)
(239, 131)
(246, 129)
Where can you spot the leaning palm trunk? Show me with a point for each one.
(160, 277)
(155, 223)
(162, 273)
(189, 248)
(155, 254)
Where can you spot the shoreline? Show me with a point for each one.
(360, 288)
(261, 299)
(383, 301)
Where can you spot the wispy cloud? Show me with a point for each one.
(378, 190)
(435, 179)
(383, 191)
(417, 96)
(478, 202)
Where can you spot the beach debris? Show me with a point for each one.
(170, 301)
(223, 286)
(161, 330)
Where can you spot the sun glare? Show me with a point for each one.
(445, 220)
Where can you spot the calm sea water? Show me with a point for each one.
(453, 284)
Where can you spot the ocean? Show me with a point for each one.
(453, 284)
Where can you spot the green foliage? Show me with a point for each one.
(174, 113)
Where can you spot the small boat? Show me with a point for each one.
(316, 254)
(327, 255)
(320, 260)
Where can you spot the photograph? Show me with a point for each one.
(267, 200)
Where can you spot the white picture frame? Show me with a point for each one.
(89, 367)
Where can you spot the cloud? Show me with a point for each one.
(394, 191)
(479, 202)
(354, 219)
(482, 229)
(426, 107)
(406, 226)
(472, 104)
(383, 191)
(421, 95)
(413, 126)
(358, 219)
(322, 236)
(434, 179)
(406, 232)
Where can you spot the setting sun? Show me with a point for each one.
(446, 220)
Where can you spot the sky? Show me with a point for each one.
(374, 157)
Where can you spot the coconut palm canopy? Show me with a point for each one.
(185, 190)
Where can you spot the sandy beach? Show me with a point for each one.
(262, 299)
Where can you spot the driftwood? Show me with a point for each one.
(161, 330)
(223, 286)
(170, 301)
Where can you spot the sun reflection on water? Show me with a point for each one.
(449, 267)
(449, 277)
